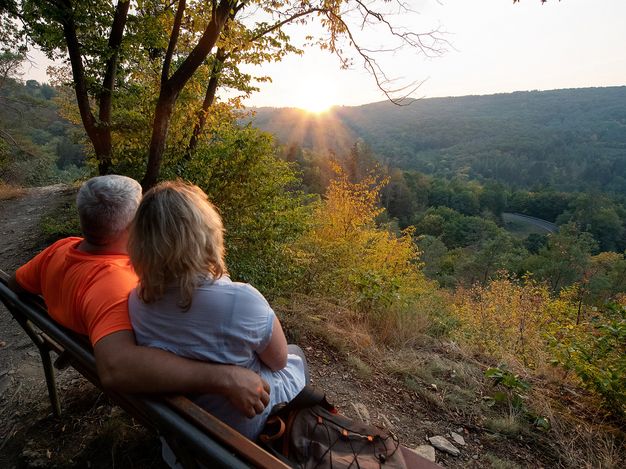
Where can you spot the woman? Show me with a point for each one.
(186, 303)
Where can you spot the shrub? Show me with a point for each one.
(595, 349)
(347, 257)
(506, 319)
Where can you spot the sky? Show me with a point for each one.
(495, 46)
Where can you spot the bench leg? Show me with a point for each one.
(46, 361)
(48, 370)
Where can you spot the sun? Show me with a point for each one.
(314, 104)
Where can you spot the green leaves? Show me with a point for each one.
(595, 349)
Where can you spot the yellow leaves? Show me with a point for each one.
(505, 318)
(350, 259)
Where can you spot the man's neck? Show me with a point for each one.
(116, 247)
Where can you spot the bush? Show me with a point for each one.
(506, 319)
(347, 258)
(595, 349)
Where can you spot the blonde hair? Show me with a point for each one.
(176, 238)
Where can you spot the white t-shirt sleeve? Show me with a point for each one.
(254, 318)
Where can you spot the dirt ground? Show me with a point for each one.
(93, 433)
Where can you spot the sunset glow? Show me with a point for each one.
(314, 104)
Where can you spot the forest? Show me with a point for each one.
(286, 207)
(37, 146)
(565, 140)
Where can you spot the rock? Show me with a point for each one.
(475, 456)
(362, 412)
(458, 439)
(425, 451)
(442, 444)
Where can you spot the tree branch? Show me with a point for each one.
(171, 46)
(202, 49)
(115, 41)
(287, 20)
(209, 97)
(7, 137)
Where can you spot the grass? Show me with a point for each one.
(448, 381)
(499, 463)
(363, 370)
(62, 222)
(509, 425)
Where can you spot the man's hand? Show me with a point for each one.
(249, 393)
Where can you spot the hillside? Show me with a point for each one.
(569, 140)
(37, 145)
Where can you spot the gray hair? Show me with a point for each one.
(106, 206)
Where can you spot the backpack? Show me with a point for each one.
(309, 433)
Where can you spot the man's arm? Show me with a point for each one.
(125, 366)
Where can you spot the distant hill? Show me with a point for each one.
(569, 140)
(37, 146)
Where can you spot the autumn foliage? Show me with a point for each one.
(348, 257)
(521, 321)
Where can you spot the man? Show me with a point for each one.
(85, 283)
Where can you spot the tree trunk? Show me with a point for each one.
(172, 86)
(98, 131)
(162, 116)
(103, 148)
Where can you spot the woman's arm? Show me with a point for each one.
(275, 354)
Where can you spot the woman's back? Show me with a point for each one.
(227, 322)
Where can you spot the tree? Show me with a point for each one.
(565, 258)
(600, 216)
(10, 62)
(182, 40)
(254, 191)
(490, 256)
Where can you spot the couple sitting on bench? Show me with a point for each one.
(173, 291)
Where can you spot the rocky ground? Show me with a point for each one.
(93, 433)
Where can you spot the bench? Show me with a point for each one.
(193, 434)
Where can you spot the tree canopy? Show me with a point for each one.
(176, 54)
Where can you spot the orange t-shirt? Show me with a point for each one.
(87, 293)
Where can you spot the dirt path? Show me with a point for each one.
(19, 225)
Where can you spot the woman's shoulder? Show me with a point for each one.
(233, 296)
(225, 284)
